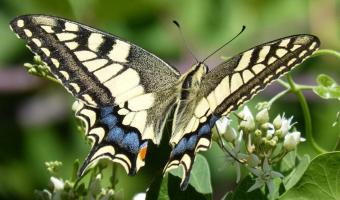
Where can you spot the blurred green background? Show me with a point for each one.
(37, 123)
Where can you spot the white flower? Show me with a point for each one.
(247, 123)
(58, 184)
(286, 124)
(222, 124)
(139, 196)
(224, 128)
(277, 122)
(292, 140)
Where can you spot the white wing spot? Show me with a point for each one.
(65, 36)
(284, 43)
(100, 132)
(98, 63)
(302, 53)
(65, 74)
(291, 61)
(55, 62)
(271, 60)
(90, 114)
(244, 61)
(120, 51)
(263, 53)
(212, 101)
(280, 69)
(46, 51)
(71, 27)
(72, 45)
(85, 55)
(123, 111)
(28, 33)
(36, 42)
(94, 41)
(312, 46)
(268, 78)
(20, 23)
(295, 47)
(281, 52)
(89, 99)
(75, 87)
(48, 29)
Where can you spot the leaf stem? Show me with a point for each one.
(326, 52)
(276, 97)
(306, 114)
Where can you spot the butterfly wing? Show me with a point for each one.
(120, 87)
(229, 85)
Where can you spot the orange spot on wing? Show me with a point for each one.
(142, 153)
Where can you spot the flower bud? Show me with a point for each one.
(222, 124)
(285, 125)
(58, 184)
(262, 116)
(248, 123)
(253, 160)
(258, 133)
(292, 140)
(230, 135)
(277, 122)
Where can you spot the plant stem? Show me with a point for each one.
(306, 114)
(326, 52)
(276, 97)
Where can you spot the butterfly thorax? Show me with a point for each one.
(188, 85)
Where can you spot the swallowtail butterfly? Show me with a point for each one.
(124, 93)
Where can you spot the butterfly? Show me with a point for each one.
(124, 94)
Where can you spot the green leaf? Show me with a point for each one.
(288, 162)
(297, 173)
(327, 88)
(241, 193)
(228, 196)
(200, 175)
(158, 189)
(327, 93)
(320, 181)
(325, 81)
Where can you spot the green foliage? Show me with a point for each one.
(327, 88)
(320, 181)
(200, 175)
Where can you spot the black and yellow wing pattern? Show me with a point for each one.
(229, 85)
(118, 97)
(124, 94)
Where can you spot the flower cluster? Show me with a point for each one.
(258, 144)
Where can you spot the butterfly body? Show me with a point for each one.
(124, 94)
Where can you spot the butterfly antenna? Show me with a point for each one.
(243, 28)
(185, 43)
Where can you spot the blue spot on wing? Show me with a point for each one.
(180, 147)
(115, 135)
(131, 142)
(192, 142)
(105, 111)
(110, 120)
(205, 129)
(212, 120)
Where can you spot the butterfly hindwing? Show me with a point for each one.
(229, 85)
(105, 73)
